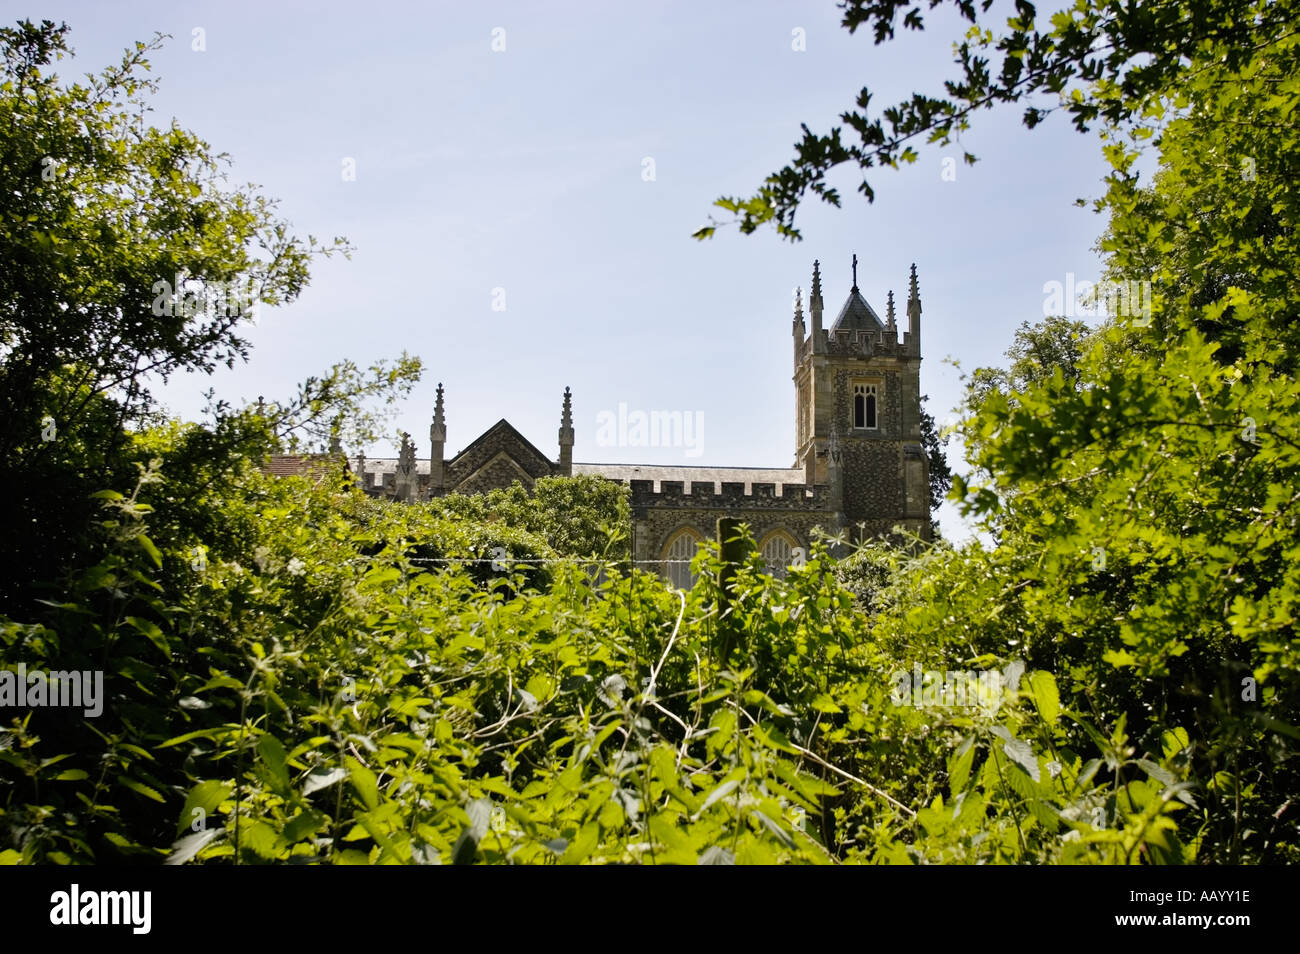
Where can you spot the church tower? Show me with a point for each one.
(858, 410)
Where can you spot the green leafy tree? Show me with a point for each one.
(1101, 62)
(1147, 534)
(1139, 482)
(940, 473)
(583, 516)
(129, 259)
(346, 407)
(1037, 351)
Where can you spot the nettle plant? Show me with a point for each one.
(1019, 792)
(307, 692)
(442, 719)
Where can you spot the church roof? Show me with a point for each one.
(303, 465)
(489, 440)
(857, 315)
(388, 465)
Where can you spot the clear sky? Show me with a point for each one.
(519, 176)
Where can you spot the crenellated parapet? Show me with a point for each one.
(865, 344)
(729, 495)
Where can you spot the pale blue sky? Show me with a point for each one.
(522, 170)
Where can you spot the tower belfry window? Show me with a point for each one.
(864, 406)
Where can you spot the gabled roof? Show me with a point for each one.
(501, 428)
(857, 315)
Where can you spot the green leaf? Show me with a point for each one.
(1042, 685)
(959, 765)
(273, 757)
(186, 848)
(148, 547)
(719, 792)
(322, 777)
(303, 825)
(723, 727)
(139, 787)
(1023, 755)
(582, 845)
(1174, 741)
(150, 631)
(1161, 775)
(197, 734)
(363, 780)
(782, 835)
(259, 838)
(466, 847)
(206, 795)
(824, 703)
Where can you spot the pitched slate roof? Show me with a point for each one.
(857, 315)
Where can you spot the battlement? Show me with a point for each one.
(728, 494)
(860, 344)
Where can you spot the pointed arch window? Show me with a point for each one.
(865, 405)
(777, 549)
(677, 556)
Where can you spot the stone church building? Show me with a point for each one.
(859, 464)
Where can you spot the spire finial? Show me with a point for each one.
(438, 429)
(815, 308)
(889, 312)
(566, 436)
(914, 310)
(855, 271)
(798, 304)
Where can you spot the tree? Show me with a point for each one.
(1147, 510)
(581, 516)
(128, 259)
(335, 409)
(940, 473)
(1099, 61)
(1139, 483)
(1036, 352)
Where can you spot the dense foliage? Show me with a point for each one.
(328, 696)
(296, 673)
